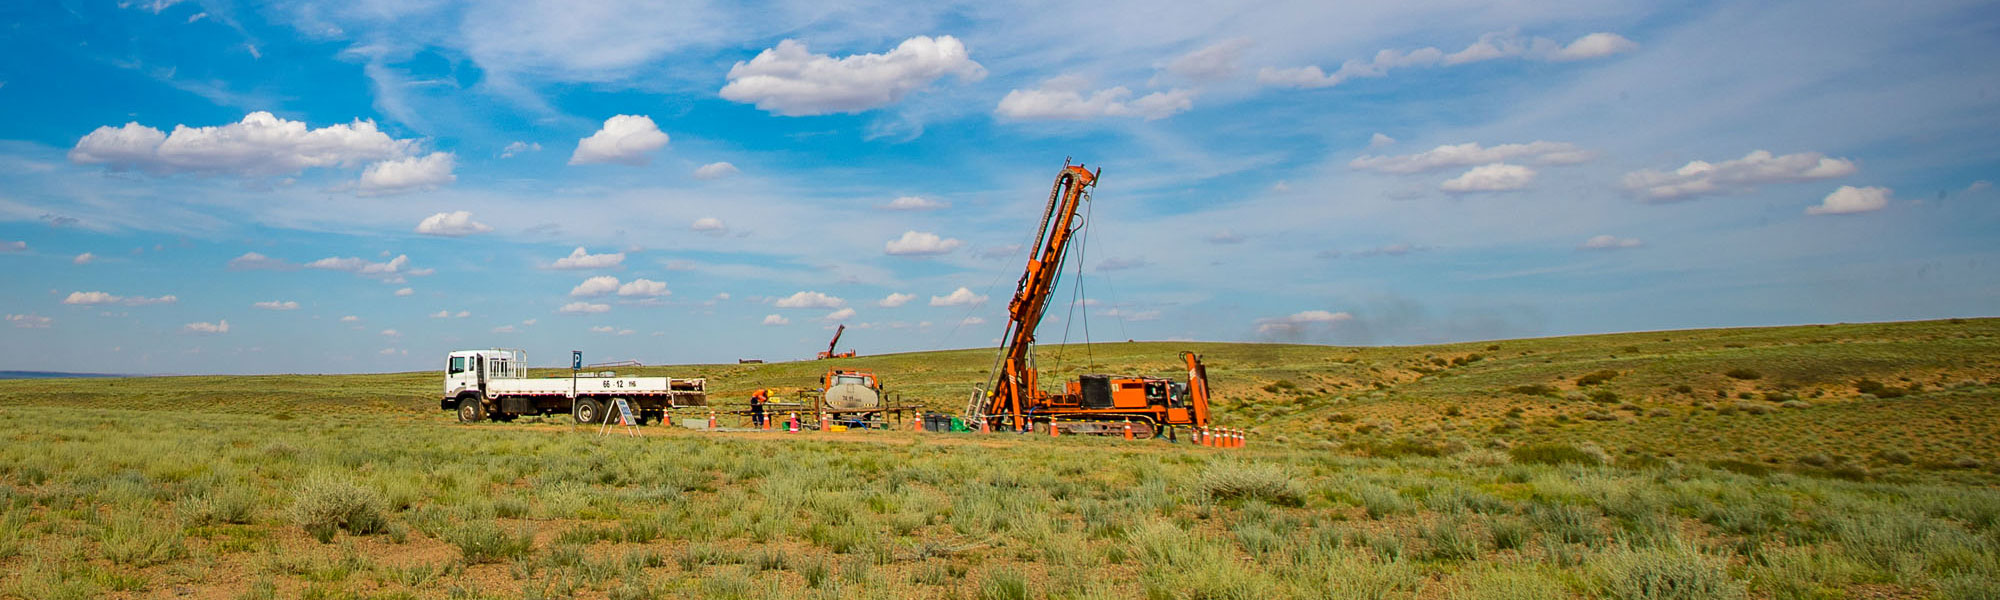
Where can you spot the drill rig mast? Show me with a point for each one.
(1103, 404)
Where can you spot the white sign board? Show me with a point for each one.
(625, 416)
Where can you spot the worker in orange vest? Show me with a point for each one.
(757, 401)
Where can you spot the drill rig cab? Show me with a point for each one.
(1094, 404)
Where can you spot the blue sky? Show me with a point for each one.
(220, 187)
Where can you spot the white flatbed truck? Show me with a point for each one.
(494, 384)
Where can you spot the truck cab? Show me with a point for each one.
(467, 372)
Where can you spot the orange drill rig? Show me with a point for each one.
(829, 353)
(1093, 404)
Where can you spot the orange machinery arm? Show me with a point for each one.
(1014, 387)
(836, 340)
(1197, 387)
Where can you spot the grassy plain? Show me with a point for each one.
(1843, 461)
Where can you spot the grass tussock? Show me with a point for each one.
(326, 505)
(1238, 481)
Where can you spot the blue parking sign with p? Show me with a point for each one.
(576, 359)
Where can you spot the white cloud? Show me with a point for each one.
(350, 319)
(30, 321)
(1299, 321)
(1596, 45)
(529, 322)
(644, 288)
(1979, 186)
(917, 243)
(452, 224)
(579, 308)
(1213, 63)
(405, 292)
(277, 305)
(969, 321)
(13, 246)
(810, 300)
(221, 326)
(1495, 45)
(519, 148)
(1396, 249)
(409, 173)
(845, 313)
(98, 298)
(1064, 98)
(1121, 264)
(252, 261)
(391, 271)
(625, 139)
(709, 225)
(446, 314)
(715, 170)
(393, 352)
(1496, 177)
(391, 333)
(579, 259)
(958, 297)
(1608, 242)
(259, 145)
(1379, 140)
(788, 80)
(504, 329)
(1142, 315)
(1850, 200)
(603, 329)
(895, 299)
(1471, 153)
(1224, 237)
(915, 203)
(83, 259)
(595, 286)
(776, 320)
(1700, 178)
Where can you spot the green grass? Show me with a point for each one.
(1475, 478)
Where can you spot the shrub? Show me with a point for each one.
(1508, 534)
(1876, 389)
(1341, 418)
(1533, 389)
(134, 541)
(1684, 389)
(1553, 454)
(1448, 540)
(1003, 584)
(1675, 574)
(1755, 408)
(1382, 502)
(326, 505)
(1603, 396)
(1597, 377)
(1236, 482)
(1742, 373)
(485, 542)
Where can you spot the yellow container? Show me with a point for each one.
(836, 428)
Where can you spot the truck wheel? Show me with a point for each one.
(471, 411)
(589, 412)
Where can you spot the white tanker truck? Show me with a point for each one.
(494, 384)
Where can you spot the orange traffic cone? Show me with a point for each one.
(1243, 440)
(824, 423)
(1128, 431)
(711, 419)
(792, 423)
(1053, 430)
(985, 426)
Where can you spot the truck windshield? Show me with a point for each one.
(457, 365)
(846, 379)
